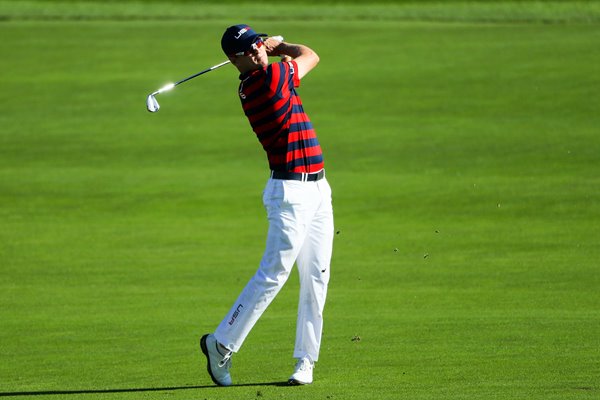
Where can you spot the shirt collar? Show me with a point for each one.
(247, 74)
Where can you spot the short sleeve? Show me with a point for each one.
(294, 71)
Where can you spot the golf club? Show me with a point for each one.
(152, 103)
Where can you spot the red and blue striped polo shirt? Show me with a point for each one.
(275, 112)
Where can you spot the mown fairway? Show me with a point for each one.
(464, 163)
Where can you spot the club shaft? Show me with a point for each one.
(203, 72)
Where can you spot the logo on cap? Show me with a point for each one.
(241, 32)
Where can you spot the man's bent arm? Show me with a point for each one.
(305, 57)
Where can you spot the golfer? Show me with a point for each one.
(297, 199)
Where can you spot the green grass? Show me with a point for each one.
(553, 11)
(464, 163)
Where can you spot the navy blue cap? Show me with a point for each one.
(238, 38)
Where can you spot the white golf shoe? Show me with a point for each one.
(303, 373)
(218, 364)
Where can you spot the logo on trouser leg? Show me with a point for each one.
(235, 314)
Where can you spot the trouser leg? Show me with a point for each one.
(314, 269)
(285, 238)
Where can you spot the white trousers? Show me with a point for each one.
(300, 231)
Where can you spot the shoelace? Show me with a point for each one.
(225, 361)
(304, 364)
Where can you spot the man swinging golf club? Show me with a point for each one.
(297, 198)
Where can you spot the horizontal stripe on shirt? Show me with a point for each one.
(275, 112)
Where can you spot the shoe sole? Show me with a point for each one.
(205, 351)
(295, 382)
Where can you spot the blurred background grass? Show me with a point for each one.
(429, 10)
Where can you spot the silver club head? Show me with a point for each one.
(151, 103)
